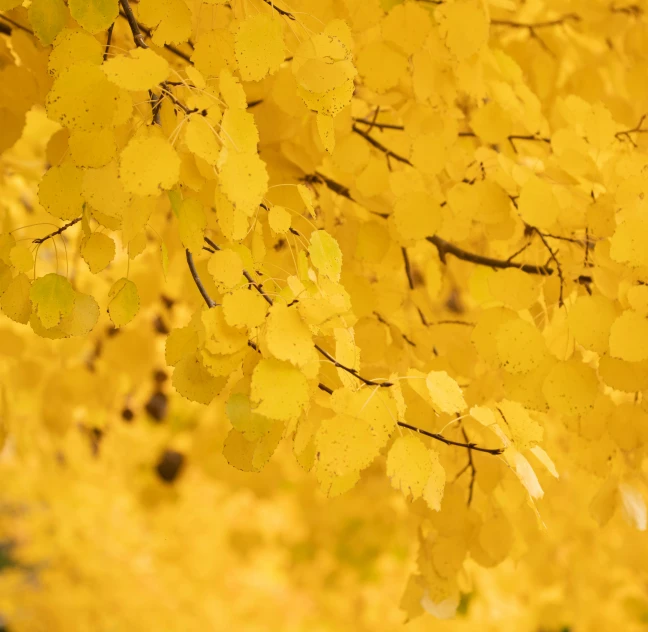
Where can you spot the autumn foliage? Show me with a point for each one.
(323, 315)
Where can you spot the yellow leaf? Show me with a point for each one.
(278, 390)
(259, 46)
(570, 388)
(149, 164)
(169, 19)
(192, 380)
(98, 250)
(180, 343)
(416, 216)
(629, 337)
(244, 307)
(326, 131)
(15, 302)
(21, 258)
(52, 297)
(287, 336)
(435, 486)
(409, 465)
(201, 139)
(537, 203)
(446, 394)
(226, 268)
(279, 219)
(60, 191)
(72, 46)
(519, 426)
(244, 180)
(325, 254)
(123, 302)
(94, 15)
(47, 18)
(192, 221)
(250, 424)
(139, 69)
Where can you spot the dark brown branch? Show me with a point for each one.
(353, 372)
(40, 240)
(408, 268)
(379, 125)
(446, 248)
(17, 25)
(558, 266)
(108, 41)
(531, 137)
(246, 274)
(635, 130)
(172, 49)
(537, 25)
(197, 281)
(379, 146)
(325, 388)
(133, 23)
(472, 467)
(286, 14)
(336, 187)
(452, 322)
(632, 10)
(439, 437)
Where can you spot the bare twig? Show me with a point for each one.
(530, 137)
(569, 17)
(17, 25)
(201, 288)
(40, 240)
(472, 467)
(379, 125)
(379, 146)
(439, 437)
(558, 266)
(133, 23)
(635, 130)
(108, 41)
(408, 268)
(351, 371)
(286, 14)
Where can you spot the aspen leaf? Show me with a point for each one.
(416, 216)
(590, 319)
(192, 380)
(83, 317)
(21, 258)
(169, 19)
(435, 485)
(192, 223)
(139, 69)
(244, 307)
(239, 131)
(278, 390)
(52, 297)
(98, 250)
(48, 17)
(201, 139)
(523, 430)
(345, 444)
(244, 180)
(92, 149)
(123, 302)
(60, 191)
(325, 254)
(15, 301)
(527, 476)
(629, 337)
(409, 465)
(326, 131)
(445, 392)
(180, 342)
(72, 46)
(570, 388)
(288, 337)
(251, 456)
(537, 203)
(148, 165)
(520, 346)
(94, 15)
(307, 198)
(634, 506)
(250, 424)
(279, 219)
(226, 268)
(259, 46)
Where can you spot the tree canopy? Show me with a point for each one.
(323, 315)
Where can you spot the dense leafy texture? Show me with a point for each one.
(323, 315)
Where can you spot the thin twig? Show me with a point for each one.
(408, 268)
(379, 125)
(134, 24)
(439, 437)
(531, 137)
(336, 187)
(349, 370)
(635, 130)
(286, 14)
(201, 288)
(40, 240)
(537, 25)
(472, 467)
(16, 24)
(108, 41)
(558, 266)
(374, 143)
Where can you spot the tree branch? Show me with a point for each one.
(40, 240)
(538, 25)
(442, 439)
(531, 137)
(197, 281)
(286, 14)
(408, 268)
(133, 23)
(445, 248)
(558, 266)
(471, 463)
(635, 130)
(374, 143)
(108, 41)
(20, 27)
